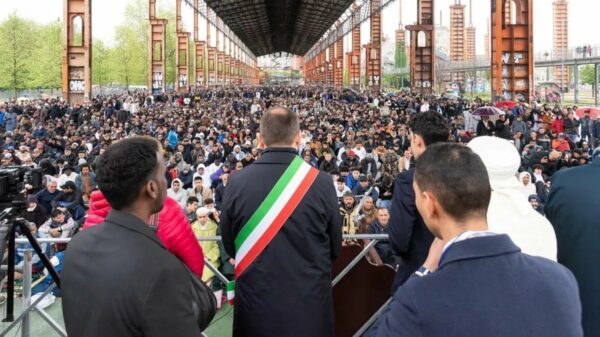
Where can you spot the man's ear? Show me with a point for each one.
(297, 139)
(151, 189)
(261, 141)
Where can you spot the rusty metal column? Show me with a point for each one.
(331, 65)
(219, 67)
(157, 55)
(512, 50)
(355, 54)
(422, 49)
(373, 74)
(182, 68)
(77, 51)
(198, 51)
(210, 62)
(338, 77)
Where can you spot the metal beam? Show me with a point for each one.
(77, 51)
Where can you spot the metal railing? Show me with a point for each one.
(29, 307)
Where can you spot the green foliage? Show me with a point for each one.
(586, 75)
(16, 47)
(46, 69)
(346, 78)
(400, 59)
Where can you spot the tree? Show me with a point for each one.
(47, 68)
(400, 59)
(586, 75)
(101, 66)
(16, 46)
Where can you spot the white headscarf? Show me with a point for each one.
(509, 211)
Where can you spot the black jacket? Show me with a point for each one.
(409, 235)
(119, 280)
(287, 289)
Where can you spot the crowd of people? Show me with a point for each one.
(362, 140)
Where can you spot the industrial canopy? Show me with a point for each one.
(270, 26)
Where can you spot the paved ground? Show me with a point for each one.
(220, 327)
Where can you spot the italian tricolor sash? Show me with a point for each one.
(271, 215)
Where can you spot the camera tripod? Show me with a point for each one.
(12, 221)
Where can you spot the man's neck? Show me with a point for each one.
(454, 228)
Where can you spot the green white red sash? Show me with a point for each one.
(271, 215)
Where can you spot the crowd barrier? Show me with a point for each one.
(29, 307)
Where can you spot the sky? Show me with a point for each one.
(108, 13)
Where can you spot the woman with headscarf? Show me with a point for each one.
(509, 211)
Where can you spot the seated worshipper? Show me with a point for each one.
(67, 175)
(38, 265)
(348, 211)
(204, 226)
(534, 201)
(475, 282)
(85, 181)
(383, 253)
(199, 191)
(341, 188)
(528, 186)
(45, 196)
(35, 213)
(510, 212)
(173, 230)
(69, 199)
(178, 193)
(59, 225)
(366, 214)
(191, 207)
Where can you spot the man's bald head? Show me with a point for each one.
(279, 126)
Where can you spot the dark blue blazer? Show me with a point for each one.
(573, 208)
(409, 236)
(486, 287)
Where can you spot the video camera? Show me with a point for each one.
(14, 181)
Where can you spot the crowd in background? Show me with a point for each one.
(362, 140)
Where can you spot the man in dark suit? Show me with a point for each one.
(409, 236)
(572, 208)
(118, 279)
(287, 290)
(474, 282)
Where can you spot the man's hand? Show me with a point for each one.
(54, 232)
(435, 252)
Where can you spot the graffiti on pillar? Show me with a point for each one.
(418, 84)
(182, 80)
(76, 82)
(199, 80)
(376, 79)
(504, 71)
(157, 80)
(426, 84)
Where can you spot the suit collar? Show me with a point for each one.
(277, 155)
(133, 223)
(479, 247)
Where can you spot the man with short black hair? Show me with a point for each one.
(409, 236)
(103, 293)
(287, 290)
(190, 209)
(492, 288)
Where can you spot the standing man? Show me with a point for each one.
(572, 208)
(409, 236)
(280, 221)
(118, 279)
(475, 282)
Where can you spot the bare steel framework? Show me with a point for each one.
(157, 54)
(77, 51)
(512, 49)
(232, 61)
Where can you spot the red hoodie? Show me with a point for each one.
(174, 230)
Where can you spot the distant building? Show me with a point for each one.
(457, 35)
(561, 39)
(470, 33)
